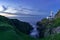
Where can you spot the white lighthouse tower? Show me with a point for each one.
(51, 15)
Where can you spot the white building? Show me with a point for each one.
(51, 15)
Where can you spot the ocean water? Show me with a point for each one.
(30, 19)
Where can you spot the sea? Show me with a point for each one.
(31, 19)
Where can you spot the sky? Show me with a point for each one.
(33, 7)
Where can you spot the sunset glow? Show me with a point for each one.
(7, 15)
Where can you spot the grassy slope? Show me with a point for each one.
(8, 32)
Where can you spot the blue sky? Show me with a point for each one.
(36, 7)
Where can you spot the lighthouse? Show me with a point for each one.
(51, 15)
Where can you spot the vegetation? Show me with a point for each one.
(13, 29)
(57, 14)
(9, 32)
(22, 26)
(46, 25)
(52, 37)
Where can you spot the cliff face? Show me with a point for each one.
(22, 26)
(49, 26)
(57, 14)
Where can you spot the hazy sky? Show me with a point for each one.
(35, 7)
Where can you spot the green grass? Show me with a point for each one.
(9, 32)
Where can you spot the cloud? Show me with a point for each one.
(11, 10)
(1, 8)
(7, 15)
(31, 11)
(18, 12)
(22, 10)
